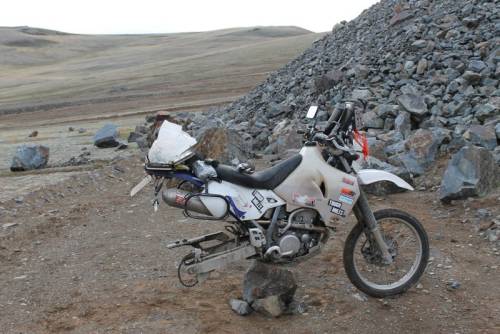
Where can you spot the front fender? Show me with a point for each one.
(369, 176)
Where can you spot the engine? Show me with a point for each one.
(300, 234)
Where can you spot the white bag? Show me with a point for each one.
(172, 146)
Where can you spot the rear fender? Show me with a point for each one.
(369, 176)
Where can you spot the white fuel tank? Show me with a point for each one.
(316, 184)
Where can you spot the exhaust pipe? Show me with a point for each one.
(177, 198)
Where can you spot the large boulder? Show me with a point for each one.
(225, 145)
(472, 171)
(422, 147)
(107, 136)
(29, 157)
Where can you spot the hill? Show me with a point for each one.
(44, 70)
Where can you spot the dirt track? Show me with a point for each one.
(86, 258)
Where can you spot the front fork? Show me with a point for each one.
(364, 214)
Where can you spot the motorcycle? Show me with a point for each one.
(286, 213)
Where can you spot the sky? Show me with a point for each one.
(165, 16)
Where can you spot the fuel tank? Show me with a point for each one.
(316, 184)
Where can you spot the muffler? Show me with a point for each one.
(178, 198)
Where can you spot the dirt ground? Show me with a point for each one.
(81, 256)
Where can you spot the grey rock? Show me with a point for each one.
(142, 142)
(401, 17)
(422, 147)
(419, 44)
(482, 136)
(484, 111)
(29, 156)
(476, 66)
(265, 280)
(107, 136)
(402, 124)
(133, 136)
(241, 307)
(483, 213)
(271, 306)
(387, 110)
(497, 131)
(372, 120)
(141, 129)
(421, 66)
(395, 148)
(414, 104)
(472, 171)
(361, 94)
(453, 285)
(472, 77)
(409, 67)
(225, 145)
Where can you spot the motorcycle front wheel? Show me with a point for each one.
(408, 245)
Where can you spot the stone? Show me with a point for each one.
(476, 66)
(271, 306)
(142, 143)
(422, 148)
(482, 136)
(107, 136)
(372, 121)
(29, 156)
(361, 94)
(141, 129)
(133, 136)
(419, 44)
(225, 145)
(409, 67)
(421, 66)
(401, 17)
(497, 131)
(453, 285)
(402, 124)
(241, 307)
(414, 104)
(472, 77)
(471, 172)
(484, 111)
(265, 280)
(121, 145)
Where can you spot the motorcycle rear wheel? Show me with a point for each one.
(363, 261)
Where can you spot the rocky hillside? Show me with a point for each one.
(428, 71)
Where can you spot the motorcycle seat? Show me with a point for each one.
(268, 178)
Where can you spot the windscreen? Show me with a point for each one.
(172, 146)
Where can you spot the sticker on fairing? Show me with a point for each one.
(336, 208)
(348, 181)
(336, 211)
(257, 200)
(346, 199)
(303, 199)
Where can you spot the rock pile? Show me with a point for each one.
(428, 70)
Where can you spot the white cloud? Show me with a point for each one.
(157, 16)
